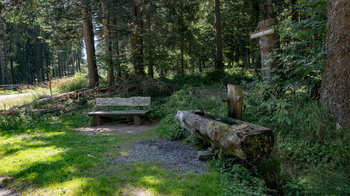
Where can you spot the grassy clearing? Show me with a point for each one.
(48, 157)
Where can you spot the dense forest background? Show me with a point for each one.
(157, 38)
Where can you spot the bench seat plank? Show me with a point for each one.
(120, 113)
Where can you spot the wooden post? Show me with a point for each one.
(235, 101)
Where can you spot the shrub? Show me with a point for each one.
(238, 180)
(178, 133)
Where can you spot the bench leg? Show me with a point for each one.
(98, 120)
(137, 120)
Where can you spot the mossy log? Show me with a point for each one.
(244, 140)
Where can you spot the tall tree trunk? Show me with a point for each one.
(2, 68)
(182, 57)
(79, 59)
(294, 10)
(59, 61)
(269, 9)
(73, 61)
(335, 89)
(4, 71)
(89, 45)
(182, 44)
(219, 61)
(12, 71)
(108, 44)
(199, 64)
(268, 43)
(38, 61)
(136, 38)
(150, 48)
(67, 62)
(115, 46)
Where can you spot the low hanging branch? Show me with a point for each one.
(247, 141)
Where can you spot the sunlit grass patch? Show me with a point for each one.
(152, 179)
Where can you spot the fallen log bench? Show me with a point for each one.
(99, 117)
(244, 140)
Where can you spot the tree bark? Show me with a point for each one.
(59, 61)
(115, 46)
(268, 43)
(89, 45)
(199, 64)
(79, 59)
(136, 38)
(269, 9)
(219, 56)
(335, 88)
(38, 61)
(13, 81)
(150, 49)
(294, 10)
(108, 44)
(234, 138)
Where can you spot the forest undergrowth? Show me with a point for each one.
(310, 157)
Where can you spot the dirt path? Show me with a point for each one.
(4, 97)
(14, 99)
(118, 129)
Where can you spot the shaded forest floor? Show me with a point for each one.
(42, 154)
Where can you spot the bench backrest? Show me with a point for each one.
(117, 101)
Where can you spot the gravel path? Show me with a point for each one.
(177, 156)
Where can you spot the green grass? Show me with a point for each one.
(49, 158)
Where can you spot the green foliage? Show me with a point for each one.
(192, 99)
(178, 133)
(20, 122)
(238, 180)
(234, 76)
(302, 53)
(306, 141)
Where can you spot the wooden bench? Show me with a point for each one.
(138, 115)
